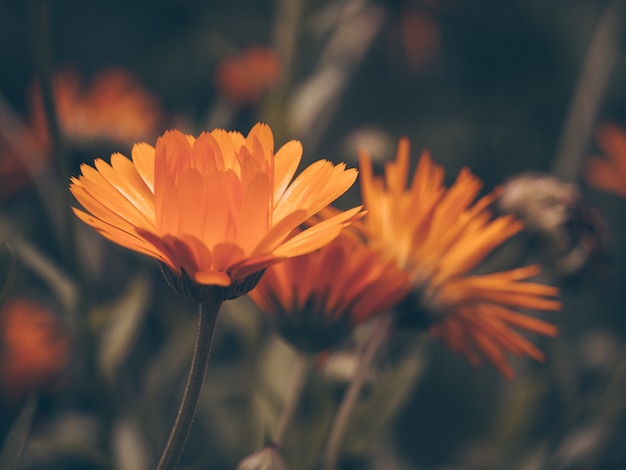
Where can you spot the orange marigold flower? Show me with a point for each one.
(34, 349)
(439, 235)
(316, 300)
(113, 107)
(217, 208)
(243, 78)
(608, 172)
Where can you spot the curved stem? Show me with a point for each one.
(187, 410)
(300, 372)
(599, 60)
(333, 447)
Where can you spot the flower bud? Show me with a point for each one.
(267, 458)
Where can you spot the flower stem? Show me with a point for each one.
(300, 373)
(602, 53)
(40, 13)
(377, 337)
(187, 410)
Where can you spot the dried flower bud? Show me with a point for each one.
(266, 459)
(571, 234)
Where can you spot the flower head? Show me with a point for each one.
(242, 79)
(316, 300)
(439, 236)
(113, 107)
(34, 349)
(565, 231)
(214, 209)
(608, 172)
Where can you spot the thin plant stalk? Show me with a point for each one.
(207, 318)
(376, 339)
(300, 373)
(39, 12)
(601, 56)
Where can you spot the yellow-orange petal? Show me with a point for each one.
(317, 236)
(286, 163)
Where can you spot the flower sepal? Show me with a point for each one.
(201, 293)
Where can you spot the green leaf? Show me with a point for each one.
(7, 272)
(40, 264)
(118, 324)
(16, 438)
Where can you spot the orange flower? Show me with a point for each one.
(439, 235)
(317, 299)
(114, 107)
(608, 172)
(217, 208)
(243, 78)
(421, 37)
(34, 350)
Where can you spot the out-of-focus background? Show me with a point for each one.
(502, 87)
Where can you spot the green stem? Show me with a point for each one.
(601, 56)
(338, 431)
(300, 373)
(187, 410)
(39, 12)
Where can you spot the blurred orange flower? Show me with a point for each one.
(242, 79)
(217, 208)
(421, 38)
(114, 107)
(439, 235)
(608, 172)
(34, 349)
(316, 300)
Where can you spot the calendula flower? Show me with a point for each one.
(316, 300)
(243, 78)
(34, 349)
(215, 209)
(439, 235)
(114, 107)
(608, 172)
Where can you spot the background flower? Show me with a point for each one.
(243, 78)
(608, 171)
(34, 349)
(113, 106)
(439, 236)
(316, 300)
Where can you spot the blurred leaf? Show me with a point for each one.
(129, 446)
(16, 438)
(120, 322)
(7, 270)
(69, 440)
(53, 275)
